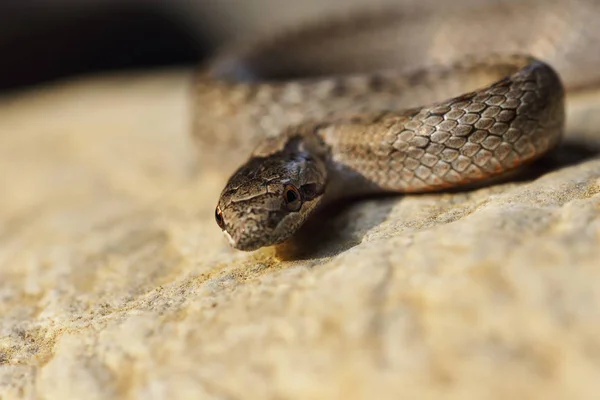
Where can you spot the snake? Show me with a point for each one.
(404, 101)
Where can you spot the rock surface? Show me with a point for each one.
(115, 282)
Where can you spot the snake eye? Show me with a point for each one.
(219, 218)
(293, 200)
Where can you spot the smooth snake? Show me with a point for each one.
(394, 101)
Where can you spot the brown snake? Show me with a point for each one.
(390, 102)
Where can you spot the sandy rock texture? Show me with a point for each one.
(115, 282)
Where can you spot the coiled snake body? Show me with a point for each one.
(392, 102)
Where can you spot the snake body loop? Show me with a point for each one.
(325, 135)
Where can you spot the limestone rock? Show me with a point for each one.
(115, 281)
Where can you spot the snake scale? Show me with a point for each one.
(396, 101)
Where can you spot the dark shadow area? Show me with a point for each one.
(569, 153)
(60, 42)
(337, 227)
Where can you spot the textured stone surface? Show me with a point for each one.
(115, 282)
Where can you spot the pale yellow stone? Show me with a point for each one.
(115, 281)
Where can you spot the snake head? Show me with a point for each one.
(269, 198)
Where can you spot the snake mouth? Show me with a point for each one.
(243, 244)
(229, 238)
(253, 235)
(245, 238)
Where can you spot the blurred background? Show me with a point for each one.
(46, 40)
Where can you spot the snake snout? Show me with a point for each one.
(244, 237)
